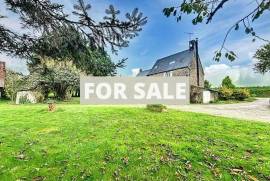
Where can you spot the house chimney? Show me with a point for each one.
(135, 72)
(193, 46)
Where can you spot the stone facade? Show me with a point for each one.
(193, 74)
(28, 96)
(174, 73)
(196, 94)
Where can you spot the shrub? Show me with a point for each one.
(241, 94)
(225, 93)
(156, 107)
(13, 83)
(39, 97)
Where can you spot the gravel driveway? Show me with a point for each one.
(258, 110)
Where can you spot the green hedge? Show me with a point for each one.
(259, 91)
(239, 94)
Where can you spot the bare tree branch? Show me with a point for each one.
(219, 6)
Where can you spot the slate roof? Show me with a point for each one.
(176, 61)
(172, 62)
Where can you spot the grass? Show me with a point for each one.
(106, 143)
(73, 100)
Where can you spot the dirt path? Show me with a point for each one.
(258, 110)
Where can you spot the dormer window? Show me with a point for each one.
(172, 62)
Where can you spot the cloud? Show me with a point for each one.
(243, 47)
(241, 76)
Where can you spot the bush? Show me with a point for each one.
(39, 97)
(13, 83)
(156, 107)
(225, 93)
(241, 94)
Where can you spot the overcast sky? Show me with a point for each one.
(164, 36)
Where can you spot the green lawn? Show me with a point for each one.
(93, 143)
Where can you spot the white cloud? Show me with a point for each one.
(241, 76)
(243, 47)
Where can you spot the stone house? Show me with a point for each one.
(2, 77)
(185, 63)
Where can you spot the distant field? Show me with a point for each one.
(260, 91)
(121, 143)
(257, 91)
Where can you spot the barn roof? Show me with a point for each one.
(172, 62)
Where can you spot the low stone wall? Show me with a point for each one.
(29, 95)
(214, 95)
(196, 94)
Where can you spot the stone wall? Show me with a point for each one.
(175, 73)
(201, 74)
(214, 95)
(193, 74)
(196, 94)
(29, 95)
(181, 72)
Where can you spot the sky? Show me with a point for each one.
(163, 36)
